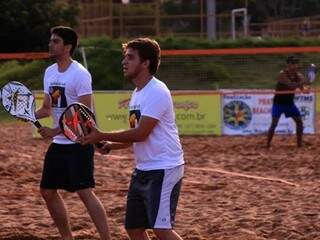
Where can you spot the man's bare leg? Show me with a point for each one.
(167, 234)
(272, 128)
(299, 131)
(137, 234)
(96, 212)
(58, 212)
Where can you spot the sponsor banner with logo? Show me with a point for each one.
(112, 109)
(245, 113)
(197, 113)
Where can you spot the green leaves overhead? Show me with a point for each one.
(25, 24)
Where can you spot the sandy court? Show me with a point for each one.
(233, 189)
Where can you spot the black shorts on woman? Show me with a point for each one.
(69, 167)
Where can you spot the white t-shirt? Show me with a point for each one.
(65, 88)
(162, 148)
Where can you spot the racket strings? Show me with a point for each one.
(77, 122)
(68, 127)
(16, 100)
(68, 131)
(22, 103)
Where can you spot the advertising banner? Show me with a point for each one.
(111, 109)
(245, 113)
(197, 113)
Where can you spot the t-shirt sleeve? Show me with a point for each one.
(157, 104)
(83, 83)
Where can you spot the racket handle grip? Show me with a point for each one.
(37, 124)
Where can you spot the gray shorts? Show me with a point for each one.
(153, 197)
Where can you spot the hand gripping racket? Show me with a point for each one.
(19, 102)
(76, 121)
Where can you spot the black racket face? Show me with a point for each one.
(18, 101)
(76, 121)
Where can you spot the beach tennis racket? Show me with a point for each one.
(311, 72)
(19, 102)
(76, 121)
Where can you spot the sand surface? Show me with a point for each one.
(233, 189)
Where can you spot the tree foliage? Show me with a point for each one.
(25, 24)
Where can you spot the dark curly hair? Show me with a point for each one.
(148, 49)
(68, 35)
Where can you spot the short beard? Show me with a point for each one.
(133, 75)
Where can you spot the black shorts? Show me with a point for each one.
(153, 197)
(69, 167)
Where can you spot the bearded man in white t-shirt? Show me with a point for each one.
(155, 184)
(67, 165)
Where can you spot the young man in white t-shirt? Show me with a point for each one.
(67, 165)
(155, 184)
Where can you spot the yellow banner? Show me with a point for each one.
(197, 113)
(112, 110)
(317, 102)
(45, 121)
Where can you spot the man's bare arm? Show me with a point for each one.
(138, 134)
(45, 110)
(86, 100)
